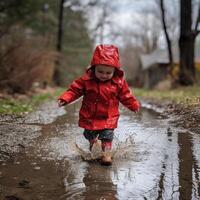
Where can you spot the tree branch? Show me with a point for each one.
(166, 33)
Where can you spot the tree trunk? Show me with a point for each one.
(186, 45)
(60, 26)
(169, 46)
(187, 70)
(56, 76)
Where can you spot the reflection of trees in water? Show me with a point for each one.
(98, 183)
(188, 188)
(161, 180)
(187, 165)
(196, 175)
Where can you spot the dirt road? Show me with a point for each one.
(152, 158)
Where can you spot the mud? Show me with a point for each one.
(186, 117)
(153, 158)
(18, 131)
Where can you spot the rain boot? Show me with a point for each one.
(106, 158)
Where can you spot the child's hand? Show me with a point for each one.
(61, 103)
(136, 111)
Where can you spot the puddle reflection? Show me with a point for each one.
(188, 168)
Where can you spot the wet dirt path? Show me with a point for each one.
(152, 160)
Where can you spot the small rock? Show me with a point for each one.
(21, 145)
(24, 184)
(37, 167)
(12, 197)
(33, 163)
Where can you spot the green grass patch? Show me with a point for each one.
(185, 95)
(17, 105)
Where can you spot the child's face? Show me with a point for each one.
(104, 72)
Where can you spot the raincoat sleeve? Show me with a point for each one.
(75, 91)
(127, 98)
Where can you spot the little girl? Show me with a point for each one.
(102, 86)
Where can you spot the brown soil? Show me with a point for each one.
(187, 117)
(18, 131)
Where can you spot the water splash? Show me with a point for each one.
(122, 150)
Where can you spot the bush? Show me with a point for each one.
(23, 62)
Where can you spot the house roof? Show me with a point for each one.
(157, 56)
(161, 56)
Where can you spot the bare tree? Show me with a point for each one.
(168, 40)
(64, 4)
(60, 25)
(145, 32)
(187, 42)
(103, 20)
(100, 22)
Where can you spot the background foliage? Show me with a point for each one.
(28, 37)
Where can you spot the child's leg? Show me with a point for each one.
(91, 136)
(106, 137)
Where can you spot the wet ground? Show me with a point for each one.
(152, 160)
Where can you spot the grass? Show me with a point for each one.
(11, 105)
(184, 95)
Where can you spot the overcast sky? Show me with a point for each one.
(125, 13)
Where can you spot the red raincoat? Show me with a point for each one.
(100, 105)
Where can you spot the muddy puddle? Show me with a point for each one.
(152, 160)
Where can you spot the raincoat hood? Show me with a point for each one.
(106, 55)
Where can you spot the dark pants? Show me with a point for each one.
(105, 135)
